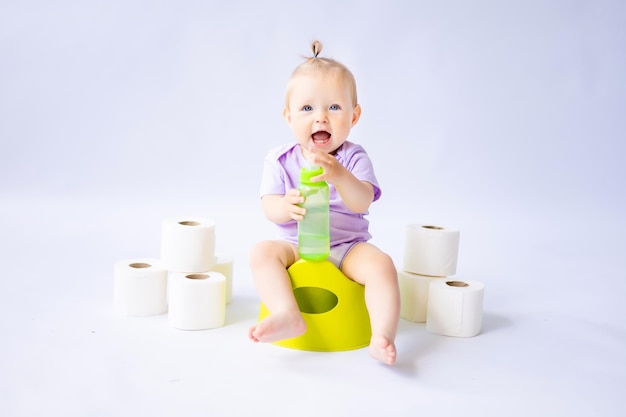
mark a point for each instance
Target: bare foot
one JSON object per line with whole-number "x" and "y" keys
{"x": 276, "y": 327}
{"x": 383, "y": 350}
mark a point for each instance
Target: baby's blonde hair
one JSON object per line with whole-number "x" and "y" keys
{"x": 322, "y": 65}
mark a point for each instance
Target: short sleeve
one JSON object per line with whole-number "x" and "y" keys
{"x": 272, "y": 177}
{"x": 358, "y": 162}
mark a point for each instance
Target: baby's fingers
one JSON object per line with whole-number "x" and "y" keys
{"x": 297, "y": 213}
{"x": 294, "y": 197}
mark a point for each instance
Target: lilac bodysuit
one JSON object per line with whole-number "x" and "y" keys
{"x": 281, "y": 172}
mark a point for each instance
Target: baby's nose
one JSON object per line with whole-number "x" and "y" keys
{"x": 321, "y": 117}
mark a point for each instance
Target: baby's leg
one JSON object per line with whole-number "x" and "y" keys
{"x": 368, "y": 265}
{"x": 269, "y": 261}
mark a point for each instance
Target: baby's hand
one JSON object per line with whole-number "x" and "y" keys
{"x": 291, "y": 201}
{"x": 332, "y": 168}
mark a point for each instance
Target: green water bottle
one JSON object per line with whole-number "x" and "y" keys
{"x": 314, "y": 229}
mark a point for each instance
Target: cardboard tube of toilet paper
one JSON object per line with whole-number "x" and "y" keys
{"x": 431, "y": 250}
{"x": 188, "y": 244}
{"x": 414, "y": 295}
{"x": 455, "y": 308}
{"x": 224, "y": 265}
{"x": 139, "y": 287}
{"x": 197, "y": 301}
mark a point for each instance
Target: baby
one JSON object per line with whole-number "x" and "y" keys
{"x": 321, "y": 108}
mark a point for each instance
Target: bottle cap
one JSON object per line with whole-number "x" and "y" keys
{"x": 307, "y": 173}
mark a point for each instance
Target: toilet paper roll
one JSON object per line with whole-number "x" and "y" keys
{"x": 224, "y": 265}
{"x": 431, "y": 250}
{"x": 139, "y": 287}
{"x": 414, "y": 295}
{"x": 197, "y": 300}
{"x": 455, "y": 308}
{"x": 188, "y": 244}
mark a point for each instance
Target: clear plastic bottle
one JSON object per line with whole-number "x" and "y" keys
{"x": 314, "y": 229}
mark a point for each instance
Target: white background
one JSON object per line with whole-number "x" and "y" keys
{"x": 502, "y": 119}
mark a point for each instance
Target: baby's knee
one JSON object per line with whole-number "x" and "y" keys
{"x": 260, "y": 252}
{"x": 271, "y": 251}
{"x": 383, "y": 269}
{"x": 383, "y": 263}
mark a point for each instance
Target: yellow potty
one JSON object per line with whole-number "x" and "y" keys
{"x": 333, "y": 307}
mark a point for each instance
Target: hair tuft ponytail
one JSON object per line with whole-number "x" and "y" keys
{"x": 316, "y": 47}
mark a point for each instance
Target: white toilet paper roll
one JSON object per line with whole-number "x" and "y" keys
{"x": 139, "y": 287}
{"x": 414, "y": 295}
{"x": 197, "y": 301}
{"x": 224, "y": 265}
{"x": 188, "y": 244}
{"x": 431, "y": 250}
{"x": 455, "y": 308}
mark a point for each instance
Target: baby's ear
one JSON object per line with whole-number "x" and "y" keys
{"x": 287, "y": 114}
{"x": 356, "y": 114}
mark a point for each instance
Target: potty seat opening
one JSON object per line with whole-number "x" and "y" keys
{"x": 315, "y": 300}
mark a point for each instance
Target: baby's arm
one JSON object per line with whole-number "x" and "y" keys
{"x": 280, "y": 209}
{"x": 357, "y": 195}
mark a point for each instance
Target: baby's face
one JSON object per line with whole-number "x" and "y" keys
{"x": 320, "y": 111}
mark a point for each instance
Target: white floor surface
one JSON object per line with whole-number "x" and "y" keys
{"x": 552, "y": 343}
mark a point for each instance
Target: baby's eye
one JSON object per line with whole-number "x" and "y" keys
{"x": 307, "y": 108}
{"x": 335, "y": 107}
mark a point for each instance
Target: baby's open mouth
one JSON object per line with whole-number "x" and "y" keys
{"x": 321, "y": 137}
